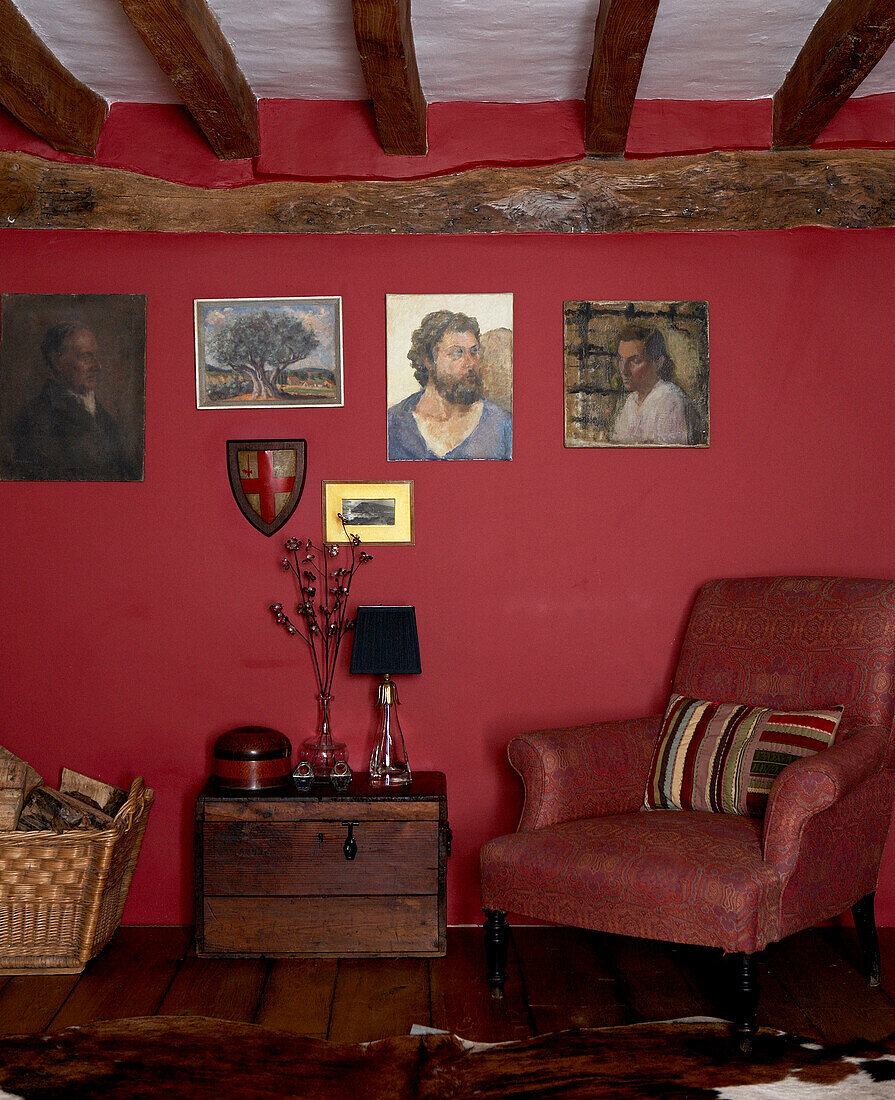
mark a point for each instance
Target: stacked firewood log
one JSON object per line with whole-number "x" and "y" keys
{"x": 28, "y": 804}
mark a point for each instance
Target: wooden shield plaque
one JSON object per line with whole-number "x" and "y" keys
{"x": 267, "y": 477}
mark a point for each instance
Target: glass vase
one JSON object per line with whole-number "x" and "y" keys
{"x": 320, "y": 750}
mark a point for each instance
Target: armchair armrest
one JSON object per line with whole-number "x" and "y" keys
{"x": 584, "y": 771}
{"x": 811, "y": 785}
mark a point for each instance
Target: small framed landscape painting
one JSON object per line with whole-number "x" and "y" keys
{"x": 265, "y": 353}
{"x": 636, "y": 374}
{"x": 375, "y": 511}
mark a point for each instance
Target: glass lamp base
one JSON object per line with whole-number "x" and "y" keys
{"x": 389, "y": 765}
{"x": 389, "y": 777}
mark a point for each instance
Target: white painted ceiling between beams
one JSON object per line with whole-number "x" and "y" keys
{"x": 480, "y": 50}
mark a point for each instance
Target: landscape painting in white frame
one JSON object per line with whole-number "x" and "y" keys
{"x": 265, "y": 353}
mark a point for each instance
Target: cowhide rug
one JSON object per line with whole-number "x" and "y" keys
{"x": 194, "y": 1058}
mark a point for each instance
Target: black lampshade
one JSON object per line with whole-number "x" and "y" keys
{"x": 385, "y": 641}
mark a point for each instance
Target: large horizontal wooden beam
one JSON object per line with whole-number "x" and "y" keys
{"x": 845, "y": 44}
{"x": 187, "y": 42}
{"x": 744, "y": 190}
{"x": 41, "y": 93}
{"x": 621, "y": 36}
{"x": 385, "y": 45}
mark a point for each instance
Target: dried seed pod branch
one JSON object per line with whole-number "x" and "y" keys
{"x": 322, "y": 610}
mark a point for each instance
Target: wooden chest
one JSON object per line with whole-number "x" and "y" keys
{"x": 277, "y": 874}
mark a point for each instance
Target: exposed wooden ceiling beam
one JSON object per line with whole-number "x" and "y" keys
{"x": 621, "y": 37}
{"x": 385, "y": 44}
{"x": 852, "y": 188}
{"x": 41, "y": 93}
{"x": 846, "y": 43}
{"x": 187, "y": 42}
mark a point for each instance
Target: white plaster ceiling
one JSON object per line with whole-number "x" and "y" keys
{"x": 482, "y": 50}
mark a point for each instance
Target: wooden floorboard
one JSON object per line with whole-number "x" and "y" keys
{"x": 829, "y": 989}
{"x": 227, "y": 989}
{"x": 568, "y": 982}
{"x": 375, "y": 998}
{"x": 651, "y": 981}
{"x": 461, "y": 999}
{"x": 777, "y": 1009}
{"x": 709, "y": 973}
{"x": 887, "y": 955}
{"x": 558, "y": 978}
{"x": 298, "y": 996}
{"x": 28, "y": 1005}
{"x": 130, "y": 978}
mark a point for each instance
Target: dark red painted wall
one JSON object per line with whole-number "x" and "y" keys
{"x": 549, "y": 590}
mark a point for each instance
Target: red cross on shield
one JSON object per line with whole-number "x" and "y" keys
{"x": 267, "y": 477}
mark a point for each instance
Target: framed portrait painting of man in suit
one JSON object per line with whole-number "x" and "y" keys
{"x": 72, "y": 387}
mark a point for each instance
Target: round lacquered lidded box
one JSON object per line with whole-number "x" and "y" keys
{"x": 252, "y": 758}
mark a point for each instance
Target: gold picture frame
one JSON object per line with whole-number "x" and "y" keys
{"x": 376, "y": 511}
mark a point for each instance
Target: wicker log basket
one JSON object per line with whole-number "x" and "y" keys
{"x": 62, "y": 894}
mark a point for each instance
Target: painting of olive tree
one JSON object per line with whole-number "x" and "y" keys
{"x": 268, "y": 352}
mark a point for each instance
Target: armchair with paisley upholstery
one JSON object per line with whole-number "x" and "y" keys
{"x": 586, "y": 853}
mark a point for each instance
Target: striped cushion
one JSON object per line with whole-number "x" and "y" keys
{"x": 723, "y": 757}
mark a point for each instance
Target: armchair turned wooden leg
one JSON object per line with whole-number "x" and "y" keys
{"x": 745, "y": 1000}
{"x": 865, "y": 926}
{"x": 497, "y": 938}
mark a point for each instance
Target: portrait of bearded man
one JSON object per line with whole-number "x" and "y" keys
{"x": 449, "y": 416}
